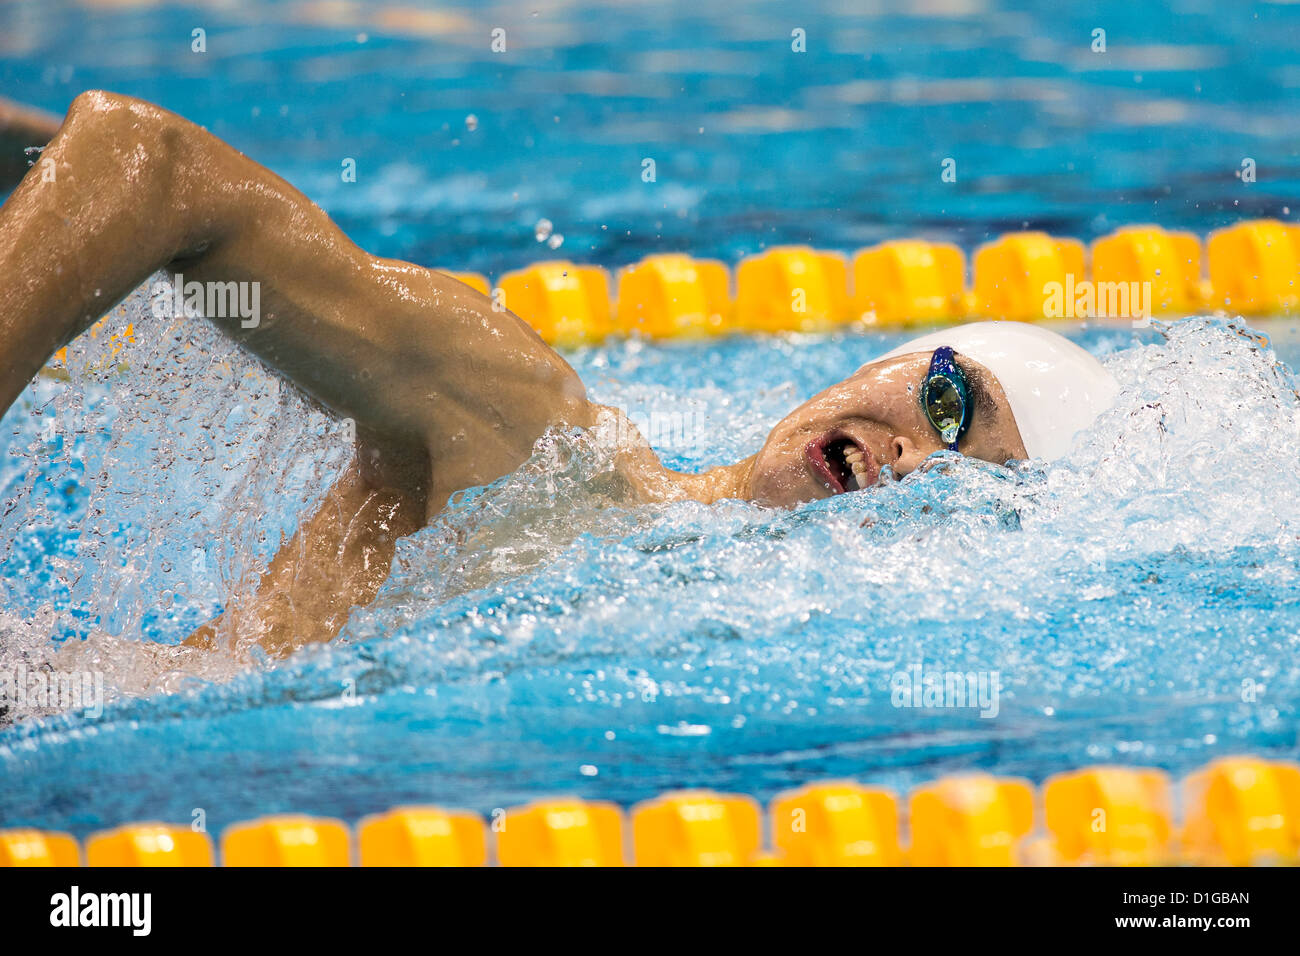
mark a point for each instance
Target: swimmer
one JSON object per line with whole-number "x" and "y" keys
{"x": 446, "y": 392}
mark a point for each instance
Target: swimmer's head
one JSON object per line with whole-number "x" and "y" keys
{"x": 1028, "y": 391}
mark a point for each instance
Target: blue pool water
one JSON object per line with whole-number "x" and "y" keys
{"x": 1139, "y": 601}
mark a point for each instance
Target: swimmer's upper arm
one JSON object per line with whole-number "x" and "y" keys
{"x": 408, "y": 352}
{"x": 399, "y": 348}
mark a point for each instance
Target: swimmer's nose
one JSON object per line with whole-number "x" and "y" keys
{"x": 906, "y": 456}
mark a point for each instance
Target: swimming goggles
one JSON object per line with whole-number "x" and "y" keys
{"x": 945, "y": 396}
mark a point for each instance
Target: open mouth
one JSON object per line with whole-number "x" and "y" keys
{"x": 841, "y": 463}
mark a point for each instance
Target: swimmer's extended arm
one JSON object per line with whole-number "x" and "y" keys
{"x": 448, "y": 392}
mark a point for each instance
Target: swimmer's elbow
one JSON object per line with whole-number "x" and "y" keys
{"x": 120, "y": 137}
{"x": 145, "y": 135}
{"x": 102, "y": 110}
{"x": 106, "y": 106}
{"x": 96, "y": 101}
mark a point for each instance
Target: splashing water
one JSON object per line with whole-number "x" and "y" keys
{"x": 148, "y": 492}
{"x": 1135, "y": 602}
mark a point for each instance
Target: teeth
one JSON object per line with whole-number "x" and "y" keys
{"x": 857, "y": 463}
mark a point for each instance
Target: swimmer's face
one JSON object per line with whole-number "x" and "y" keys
{"x": 840, "y": 440}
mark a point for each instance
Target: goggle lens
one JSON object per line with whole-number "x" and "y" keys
{"x": 944, "y": 396}
{"x": 944, "y": 407}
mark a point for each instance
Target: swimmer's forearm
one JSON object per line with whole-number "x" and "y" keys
{"x": 21, "y": 128}
{"x": 337, "y": 560}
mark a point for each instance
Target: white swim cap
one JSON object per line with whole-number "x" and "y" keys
{"x": 1055, "y": 388}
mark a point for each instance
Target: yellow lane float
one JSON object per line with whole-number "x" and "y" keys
{"x": 1237, "y": 810}
{"x": 37, "y": 848}
{"x": 149, "y": 844}
{"x": 289, "y": 840}
{"x": 1255, "y": 267}
{"x": 908, "y": 282}
{"x": 696, "y": 828}
{"x": 1242, "y": 811}
{"x": 422, "y": 836}
{"x": 673, "y": 296}
{"x": 970, "y": 820}
{"x": 561, "y": 833}
{"x": 1012, "y": 273}
{"x": 791, "y": 289}
{"x": 1111, "y": 816}
{"x": 836, "y": 824}
{"x": 567, "y": 304}
{"x": 1170, "y": 261}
